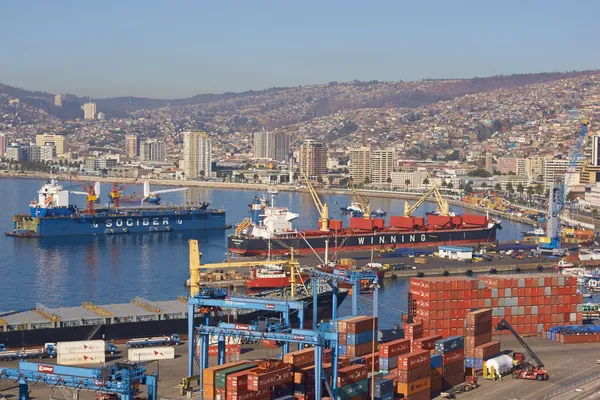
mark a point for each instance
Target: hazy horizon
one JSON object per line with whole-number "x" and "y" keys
{"x": 178, "y": 50}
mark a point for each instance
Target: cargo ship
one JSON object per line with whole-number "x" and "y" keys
{"x": 270, "y": 231}
{"x": 139, "y": 318}
{"x": 54, "y": 215}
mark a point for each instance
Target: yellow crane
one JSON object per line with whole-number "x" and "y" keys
{"x": 321, "y": 207}
{"x": 365, "y": 205}
{"x": 442, "y": 203}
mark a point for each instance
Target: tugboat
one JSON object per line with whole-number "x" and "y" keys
{"x": 270, "y": 277}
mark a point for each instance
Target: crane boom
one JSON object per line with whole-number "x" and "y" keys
{"x": 505, "y": 325}
{"x": 321, "y": 207}
{"x": 442, "y": 203}
{"x": 408, "y": 209}
{"x": 574, "y": 158}
{"x": 365, "y": 205}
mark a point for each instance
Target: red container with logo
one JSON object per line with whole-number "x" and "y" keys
{"x": 414, "y": 374}
{"x": 414, "y": 330}
{"x": 259, "y": 379}
{"x": 425, "y": 343}
{"x": 249, "y": 395}
{"x": 394, "y": 348}
{"x": 453, "y": 356}
{"x": 361, "y": 324}
{"x": 414, "y": 359}
{"x": 238, "y": 381}
{"x": 352, "y": 374}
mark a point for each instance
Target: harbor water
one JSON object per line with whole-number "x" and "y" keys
{"x": 65, "y": 271}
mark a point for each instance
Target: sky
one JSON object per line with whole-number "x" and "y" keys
{"x": 176, "y": 49}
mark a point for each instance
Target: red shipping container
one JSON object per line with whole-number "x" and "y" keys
{"x": 300, "y": 358}
{"x": 419, "y": 221}
{"x": 361, "y": 324}
{"x": 352, "y": 374}
{"x": 220, "y": 393}
{"x": 335, "y": 224}
{"x": 413, "y": 331}
{"x": 414, "y": 374}
{"x": 259, "y": 379}
{"x": 230, "y": 349}
{"x": 487, "y": 350}
{"x": 426, "y": 343}
{"x": 478, "y": 340}
{"x": 249, "y": 395}
{"x": 343, "y": 324}
{"x": 238, "y": 381}
{"x": 369, "y": 361}
{"x": 454, "y": 368}
{"x": 401, "y": 222}
{"x": 479, "y": 316}
{"x": 414, "y": 359}
{"x": 438, "y": 220}
{"x": 394, "y": 348}
{"x": 449, "y": 381}
{"x": 457, "y": 221}
{"x": 360, "y": 349}
{"x": 453, "y": 356}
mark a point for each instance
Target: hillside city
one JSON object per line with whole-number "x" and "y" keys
{"x": 516, "y": 139}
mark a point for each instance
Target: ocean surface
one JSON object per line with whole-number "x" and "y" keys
{"x": 65, "y": 271}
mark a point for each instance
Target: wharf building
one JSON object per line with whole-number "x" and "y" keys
{"x": 197, "y": 154}
{"x": 313, "y": 158}
{"x": 58, "y": 141}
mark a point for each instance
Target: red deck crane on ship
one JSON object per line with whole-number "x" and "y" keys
{"x": 91, "y": 195}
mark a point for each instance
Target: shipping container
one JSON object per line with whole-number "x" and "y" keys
{"x": 352, "y": 374}
{"x": 425, "y": 343}
{"x": 360, "y": 324}
{"x": 401, "y": 222}
{"x": 208, "y": 374}
{"x": 238, "y": 381}
{"x": 453, "y": 356}
{"x": 414, "y": 374}
{"x": 259, "y": 378}
{"x": 360, "y": 349}
{"x": 410, "y": 388}
{"x": 435, "y": 361}
{"x": 379, "y": 223}
{"x": 249, "y": 395}
{"x": 470, "y": 219}
{"x": 388, "y": 363}
{"x": 454, "y": 368}
{"x": 414, "y": 359}
{"x": 449, "y": 381}
{"x": 354, "y": 390}
{"x": 335, "y": 224}
{"x": 230, "y": 349}
{"x": 394, "y": 348}
{"x": 81, "y": 358}
{"x": 383, "y": 387}
{"x": 488, "y": 350}
{"x": 450, "y": 344}
{"x": 300, "y": 358}
{"x": 151, "y": 353}
{"x": 361, "y": 224}
{"x": 359, "y": 338}
{"x": 221, "y": 376}
{"x": 84, "y": 346}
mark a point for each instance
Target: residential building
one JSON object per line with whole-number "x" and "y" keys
{"x": 514, "y": 180}
{"x": 382, "y": 165}
{"x": 153, "y": 150}
{"x": 89, "y": 110}
{"x": 595, "y": 161}
{"x": 58, "y": 141}
{"x": 106, "y": 163}
{"x": 556, "y": 169}
{"x": 101, "y": 116}
{"x": 414, "y": 179}
{"x": 513, "y": 165}
{"x": 264, "y": 144}
{"x": 91, "y": 163}
{"x": 132, "y": 145}
{"x": 593, "y": 196}
{"x": 15, "y": 153}
{"x": 489, "y": 160}
{"x": 313, "y": 158}
{"x": 360, "y": 165}
{"x": 197, "y": 154}
{"x": 3, "y": 140}
{"x": 58, "y": 100}
{"x": 32, "y": 153}
{"x": 534, "y": 166}
{"x": 47, "y": 152}
{"x": 282, "y": 144}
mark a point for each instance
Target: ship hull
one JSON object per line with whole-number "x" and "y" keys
{"x": 128, "y": 330}
{"x": 122, "y": 222}
{"x": 356, "y": 242}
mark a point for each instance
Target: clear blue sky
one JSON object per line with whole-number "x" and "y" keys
{"x": 172, "y": 49}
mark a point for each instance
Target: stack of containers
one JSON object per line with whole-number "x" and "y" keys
{"x": 221, "y": 378}
{"x": 426, "y": 343}
{"x": 452, "y": 350}
{"x": 302, "y": 363}
{"x": 209, "y": 378}
{"x": 413, "y": 331}
{"x": 478, "y": 339}
{"x": 414, "y": 378}
{"x": 356, "y": 336}
{"x": 260, "y": 379}
{"x": 384, "y": 389}
{"x": 353, "y": 382}
{"x": 389, "y": 352}
{"x": 574, "y": 334}
{"x": 530, "y": 303}
{"x": 436, "y": 372}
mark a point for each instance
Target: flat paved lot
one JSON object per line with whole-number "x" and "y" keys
{"x": 565, "y": 363}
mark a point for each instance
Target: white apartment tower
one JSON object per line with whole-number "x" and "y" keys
{"x": 89, "y": 110}
{"x": 197, "y": 156}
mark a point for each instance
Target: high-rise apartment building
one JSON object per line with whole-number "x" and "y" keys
{"x": 360, "y": 165}
{"x": 47, "y": 152}
{"x": 313, "y": 158}
{"x": 197, "y": 154}
{"x": 489, "y": 161}
{"x": 58, "y": 141}
{"x": 58, "y": 100}
{"x": 282, "y": 147}
{"x": 595, "y": 161}
{"x": 3, "y": 140}
{"x": 556, "y": 169}
{"x": 89, "y": 110}
{"x": 382, "y": 165}
{"x": 153, "y": 150}
{"x": 263, "y": 144}
{"x": 534, "y": 166}
{"x": 132, "y": 145}
{"x": 15, "y": 153}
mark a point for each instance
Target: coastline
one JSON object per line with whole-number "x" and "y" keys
{"x": 260, "y": 186}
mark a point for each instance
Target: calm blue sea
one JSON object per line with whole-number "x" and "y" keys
{"x": 66, "y": 271}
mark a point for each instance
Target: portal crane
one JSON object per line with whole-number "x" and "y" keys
{"x": 365, "y": 205}
{"x": 321, "y": 207}
{"x": 116, "y": 191}
{"x": 523, "y": 369}
{"x": 442, "y": 203}
{"x": 91, "y": 195}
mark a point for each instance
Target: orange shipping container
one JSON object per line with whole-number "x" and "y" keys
{"x": 410, "y": 388}
{"x": 300, "y": 358}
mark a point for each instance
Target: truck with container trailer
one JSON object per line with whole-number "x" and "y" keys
{"x": 48, "y": 351}
{"x": 154, "y": 341}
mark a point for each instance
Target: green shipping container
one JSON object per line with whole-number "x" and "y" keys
{"x": 221, "y": 376}
{"x": 355, "y": 389}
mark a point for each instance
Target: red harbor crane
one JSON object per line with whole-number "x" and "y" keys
{"x": 91, "y": 195}
{"x": 116, "y": 191}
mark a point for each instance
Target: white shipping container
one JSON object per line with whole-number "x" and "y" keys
{"x": 151, "y": 353}
{"x": 81, "y": 358}
{"x": 84, "y": 346}
{"x": 214, "y": 339}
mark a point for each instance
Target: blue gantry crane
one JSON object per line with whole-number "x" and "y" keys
{"x": 120, "y": 379}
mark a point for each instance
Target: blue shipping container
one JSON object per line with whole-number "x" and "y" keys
{"x": 342, "y": 349}
{"x": 383, "y": 386}
{"x": 353, "y": 390}
{"x": 450, "y": 344}
{"x": 476, "y": 363}
{"x": 359, "y": 338}
{"x": 387, "y": 396}
{"x": 388, "y": 363}
{"x": 436, "y": 361}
